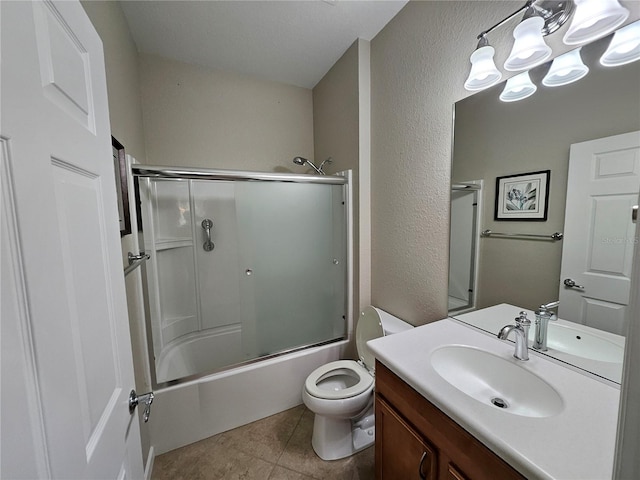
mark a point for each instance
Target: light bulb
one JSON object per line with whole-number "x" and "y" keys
{"x": 518, "y": 88}
{"x": 594, "y": 19}
{"x": 529, "y": 48}
{"x": 484, "y": 73}
{"x": 565, "y": 69}
{"x": 624, "y": 46}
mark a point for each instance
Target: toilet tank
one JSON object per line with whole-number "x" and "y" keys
{"x": 391, "y": 324}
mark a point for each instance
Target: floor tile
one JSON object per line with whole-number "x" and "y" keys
{"x": 300, "y": 457}
{"x": 281, "y": 473}
{"x": 228, "y": 463}
{"x": 364, "y": 465}
{"x": 274, "y": 448}
{"x": 266, "y": 438}
{"x": 178, "y": 464}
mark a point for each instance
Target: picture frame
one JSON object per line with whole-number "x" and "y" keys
{"x": 523, "y": 197}
{"x": 122, "y": 187}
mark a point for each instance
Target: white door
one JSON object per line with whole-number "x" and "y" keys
{"x": 603, "y": 184}
{"x": 66, "y": 354}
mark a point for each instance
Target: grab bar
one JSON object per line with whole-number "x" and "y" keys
{"x": 207, "y": 225}
{"x": 554, "y": 236}
{"x": 135, "y": 261}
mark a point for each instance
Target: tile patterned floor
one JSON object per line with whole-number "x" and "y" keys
{"x": 274, "y": 448}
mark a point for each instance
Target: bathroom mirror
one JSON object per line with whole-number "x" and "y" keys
{"x": 495, "y": 139}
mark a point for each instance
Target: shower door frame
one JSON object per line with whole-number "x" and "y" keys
{"x": 188, "y": 173}
{"x": 474, "y": 187}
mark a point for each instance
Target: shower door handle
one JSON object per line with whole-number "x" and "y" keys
{"x": 207, "y": 225}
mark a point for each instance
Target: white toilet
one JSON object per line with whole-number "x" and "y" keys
{"x": 341, "y": 393}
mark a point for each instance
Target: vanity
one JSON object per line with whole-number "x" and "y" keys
{"x": 413, "y": 435}
{"x": 453, "y": 403}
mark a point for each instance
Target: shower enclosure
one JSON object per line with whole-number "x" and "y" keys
{"x": 243, "y": 266}
{"x": 463, "y": 244}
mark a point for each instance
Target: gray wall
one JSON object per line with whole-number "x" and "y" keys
{"x": 336, "y": 134}
{"x": 199, "y": 117}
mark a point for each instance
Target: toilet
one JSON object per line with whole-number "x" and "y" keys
{"x": 340, "y": 393}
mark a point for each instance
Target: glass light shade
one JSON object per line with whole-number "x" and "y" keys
{"x": 518, "y": 88}
{"x": 624, "y": 47}
{"x": 484, "y": 72}
{"x": 565, "y": 69}
{"x": 529, "y": 48}
{"x": 594, "y": 19}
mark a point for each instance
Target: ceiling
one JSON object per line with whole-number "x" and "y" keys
{"x": 294, "y": 42}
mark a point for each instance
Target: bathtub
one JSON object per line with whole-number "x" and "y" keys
{"x": 191, "y": 354}
{"x": 189, "y": 412}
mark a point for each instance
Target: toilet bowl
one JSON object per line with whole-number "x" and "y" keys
{"x": 340, "y": 393}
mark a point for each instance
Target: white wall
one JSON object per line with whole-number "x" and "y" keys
{"x": 199, "y": 117}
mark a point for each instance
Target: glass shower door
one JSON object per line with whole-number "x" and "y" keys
{"x": 293, "y": 264}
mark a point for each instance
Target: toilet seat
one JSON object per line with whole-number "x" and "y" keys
{"x": 369, "y": 327}
{"x": 331, "y": 369}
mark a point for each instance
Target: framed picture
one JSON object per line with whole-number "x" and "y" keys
{"x": 120, "y": 168}
{"x": 523, "y": 197}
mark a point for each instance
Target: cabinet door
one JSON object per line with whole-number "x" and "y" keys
{"x": 454, "y": 474}
{"x": 401, "y": 453}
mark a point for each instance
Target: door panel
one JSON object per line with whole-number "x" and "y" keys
{"x": 76, "y": 336}
{"x": 604, "y": 179}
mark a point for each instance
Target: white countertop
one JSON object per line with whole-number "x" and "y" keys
{"x": 577, "y": 443}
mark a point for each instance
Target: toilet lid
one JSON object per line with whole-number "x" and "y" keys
{"x": 369, "y": 327}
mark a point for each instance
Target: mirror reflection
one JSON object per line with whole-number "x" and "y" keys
{"x": 586, "y": 136}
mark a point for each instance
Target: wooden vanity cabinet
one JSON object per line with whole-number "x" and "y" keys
{"x": 416, "y": 440}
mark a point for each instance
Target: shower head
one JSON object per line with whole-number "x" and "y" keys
{"x": 302, "y": 161}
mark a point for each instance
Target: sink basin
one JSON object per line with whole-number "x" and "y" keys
{"x": 496, "y": 381}
{"x": 582, "y": 344}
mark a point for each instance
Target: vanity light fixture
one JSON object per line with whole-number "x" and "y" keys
{"x": 529, "y": 48}
{"x": 541, "y": 17}
{"x": 484, "y": 72}
{"x": 594, "y": 19}
{"x": 565, "y": 69}
{"x": 518, "y": 88}
{"x": 624, "y": 46}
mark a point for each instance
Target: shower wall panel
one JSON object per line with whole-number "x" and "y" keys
{"x": 218, "y": 269}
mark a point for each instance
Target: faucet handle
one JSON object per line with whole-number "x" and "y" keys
{"x": 522, "y": 319}
{"x": 550, "y": 305}
{"x": 545, "y": 311}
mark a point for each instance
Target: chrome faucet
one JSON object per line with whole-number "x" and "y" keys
{"x": 521, "y": 329}
{"x": 543, "y": 315}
